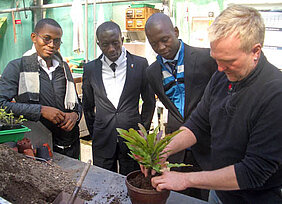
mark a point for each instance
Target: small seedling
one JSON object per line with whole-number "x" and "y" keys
{"x": 9, "y": 118}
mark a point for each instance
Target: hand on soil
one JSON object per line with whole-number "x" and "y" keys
{"x": 170, "y": 180}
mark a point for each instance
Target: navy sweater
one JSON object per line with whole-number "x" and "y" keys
{"x": 245, "y": 124}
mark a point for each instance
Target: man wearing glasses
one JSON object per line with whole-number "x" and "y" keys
{"x": 43, "y": 87}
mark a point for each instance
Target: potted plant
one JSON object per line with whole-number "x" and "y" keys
{"x": 147, "y": 150}
{"x": 11, "y": 128}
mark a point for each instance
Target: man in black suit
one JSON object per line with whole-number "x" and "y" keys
{"x": 178, "y": 77}
{"x": 112, "y": 85}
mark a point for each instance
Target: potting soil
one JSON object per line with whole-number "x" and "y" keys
{"x": 24, "y": 180}
{"x": 140, "y": 181}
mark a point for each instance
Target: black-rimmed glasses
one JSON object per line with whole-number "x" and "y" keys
{"x": 47, "y": 40}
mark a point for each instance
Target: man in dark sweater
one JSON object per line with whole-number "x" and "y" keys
{"x": 43, "y": 88}
{"x": 241, "y": 110}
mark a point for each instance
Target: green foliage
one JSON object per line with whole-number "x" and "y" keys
{"x": 148, "y": 149}
{"x": 9, "y": 118}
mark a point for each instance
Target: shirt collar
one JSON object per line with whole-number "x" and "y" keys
{"x": 43, "y": 63}
{"x": 119, "y": 61}
{"x": 176, "y": 56}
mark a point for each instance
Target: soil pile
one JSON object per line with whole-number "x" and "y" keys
{"x": 24, "y": 180}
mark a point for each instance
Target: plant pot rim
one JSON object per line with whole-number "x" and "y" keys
{"x": 140, "y": 190}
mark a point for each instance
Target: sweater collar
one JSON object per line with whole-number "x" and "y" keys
{"x": 235, "y": 86}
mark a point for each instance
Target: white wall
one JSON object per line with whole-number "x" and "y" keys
{"x": 258, "y": 4}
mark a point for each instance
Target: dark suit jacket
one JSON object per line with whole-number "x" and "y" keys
{"x": 102, "y": 122}
{"x": 198, "y": 69}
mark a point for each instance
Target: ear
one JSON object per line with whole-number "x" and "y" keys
{"x": 256, "y": 50}
{"x": 33, "y": 37}
{"x": 176, "y": 31}
{"x": 122, "y": 39}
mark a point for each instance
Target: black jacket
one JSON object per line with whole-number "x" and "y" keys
{"x": 102, "y": 122}
{"x": 198, "y": 69}
{"x": 51, "y": 93}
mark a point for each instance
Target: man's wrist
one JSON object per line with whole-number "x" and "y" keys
{"x": 78, "y": 115}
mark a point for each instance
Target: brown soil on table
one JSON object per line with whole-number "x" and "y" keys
{"x": 24, "y": 180}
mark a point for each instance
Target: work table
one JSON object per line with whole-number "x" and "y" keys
{"x": 109, "y": 187}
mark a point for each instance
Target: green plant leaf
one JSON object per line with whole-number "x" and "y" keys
{"x": 125, "y": 135}
{"x": 156, "y": 130}
{"x": 137, "y": 136}
{"x": 159, "y": 135}
{"x": 143, "y": 130}
{"x": 151, "y": 142}
{"x": 165, "y": 140}
{"x": 9, "y": 118}
{"x": 169, "y": 165}
{"x": 121, "y": 131}
{"x": 132, "y": 136}
{"x": 137, "y": 151}
{"x": 157, "y": 168}
{"x": 147, "y": 149}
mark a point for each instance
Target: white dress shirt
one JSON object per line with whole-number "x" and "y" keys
{"x": 114, "y": 82}
{"x": 44, "y": 66}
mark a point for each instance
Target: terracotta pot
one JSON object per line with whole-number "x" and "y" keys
{"x": 28, "y": 152}
{"x": 144, "y": 196}
{"x": 23, "y": 144}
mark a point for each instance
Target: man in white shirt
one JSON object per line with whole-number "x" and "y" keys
{"x": 112, "y": 85}
{"x": 44, "y": 90}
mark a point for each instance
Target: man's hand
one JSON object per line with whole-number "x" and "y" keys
{"x": 220, "y": 179}
{"x": 69, "y": 121}
{"x": 52, "y": 114}
{"x": 170, "y": 180}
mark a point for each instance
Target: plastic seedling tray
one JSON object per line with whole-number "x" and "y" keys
{"x": 13, "y": 135}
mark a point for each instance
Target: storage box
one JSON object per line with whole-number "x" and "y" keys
{"x": 77, "y": 61}
{"x": 140, "y": 12}
{"x": 129, "y": 13}
{"x": 77, "y": 70}
{"x": 136, "y": 17}
{"x": 13, "y": 135}
{"x": 142, "y": 5}
{"x": 130, "y": 24}
{"x": 140, "y": 23}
